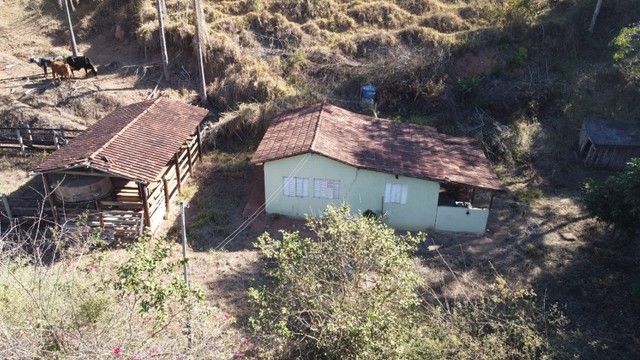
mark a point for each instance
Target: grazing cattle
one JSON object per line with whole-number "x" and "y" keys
{"x": 81, "y": 62}
{"x": 42, "y": 62}
{"x": 60, "y": 69}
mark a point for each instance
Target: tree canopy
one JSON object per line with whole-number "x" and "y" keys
{"x": 627, "y": 51}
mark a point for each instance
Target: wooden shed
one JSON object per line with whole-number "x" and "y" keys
{"x": 125, "y": 170}
{"x": 607, "y": 144}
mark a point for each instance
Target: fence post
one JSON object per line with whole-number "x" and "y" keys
{"x": 100, "y": 216}
{"x": 189, "y": 159}
{"x": 29, "y": 135}
{"x": 177, "y": 158}
{"x": 55, "y": 139}
{"x": 5, "y": 200}
{"x": 22, "y": 152}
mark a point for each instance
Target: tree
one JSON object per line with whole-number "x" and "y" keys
{"x": 72, "y": 36}
{"x": 162, "y": 10}
{"x": 616, "y": 201}
{"x": 201, "y": 39}
{"x": 596, "y": 11}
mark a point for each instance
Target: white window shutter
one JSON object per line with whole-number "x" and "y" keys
{"x": 288, "y": 186}
{"x": 403, "y": 199}
{"x": 387, "y": 193}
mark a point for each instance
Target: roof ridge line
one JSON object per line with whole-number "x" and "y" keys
{"x": 116, "y": 135}
{"x": 315, "y": 131}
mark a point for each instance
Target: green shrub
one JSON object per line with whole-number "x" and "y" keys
{"x": 627, "y": 51}
{"x": 528, "y": 195}
{"x": 519, "y": 57}
{"x": 350, "y": 294}
{"x": 532, "y": 250}
{"x": 470, "y": 84}
{"x": 617, "y": 200}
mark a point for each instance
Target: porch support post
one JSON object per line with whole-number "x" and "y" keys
{"x": 491, "y": 202}
{"x": 167, "y": 201}
{"x": 47, "y": 192}
{"x": 177, "y": 159}
{"x": 199, "y": 141}
{"x": 142, "y": 190}
{"x": 473, "y": 195}
{"x": 100, "y": 215}
{"x": 189, "y": 159}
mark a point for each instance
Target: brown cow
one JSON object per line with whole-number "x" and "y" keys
{"x": 61, "y": 69}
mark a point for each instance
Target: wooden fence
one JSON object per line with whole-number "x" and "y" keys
{"x": 119, "y": 218}
{"x": 27, "y": 138}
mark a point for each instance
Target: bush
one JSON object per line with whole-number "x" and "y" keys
{"x": 349, "y": 294}
{"x": 627, "y": 51}
{"x": 616, "y": 201}
{"x": 353, "y": 293}
{"x": 86, "y": 306}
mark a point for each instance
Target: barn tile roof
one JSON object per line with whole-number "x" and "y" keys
{"x": 134, "y": 142}
{"x": 377, "y": 144}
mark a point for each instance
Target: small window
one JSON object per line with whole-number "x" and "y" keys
{"x": 326, "y": 189}
{"x": 295, "y": 186}
{"x": 395, "y": 193}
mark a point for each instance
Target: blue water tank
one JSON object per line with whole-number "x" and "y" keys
{"x": 368, "y": 92}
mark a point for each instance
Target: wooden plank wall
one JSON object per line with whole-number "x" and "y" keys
{"x": 122, "y": 219}
{"x": 163, "y": 192}
{"x": 613, "y": 157}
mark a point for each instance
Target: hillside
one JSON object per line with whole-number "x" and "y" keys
{"x": 519, "y": 75}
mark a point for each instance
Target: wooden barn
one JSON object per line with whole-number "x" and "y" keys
{"x": 125, "y": 170}
{"x": 605, "y": 144}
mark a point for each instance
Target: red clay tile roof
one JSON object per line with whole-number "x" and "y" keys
{"x": 133, "y": 142}
{"x": 376, "y": 144}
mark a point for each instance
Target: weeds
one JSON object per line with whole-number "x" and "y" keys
{"x": 528, "y": 195}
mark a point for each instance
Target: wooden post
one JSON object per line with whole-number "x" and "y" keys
{"x": 199, "y": 141}
{"x": 29, "y": 136}
{"x": 473, "y": 195}
{"x": 55, "y": 139}
{"x": 5, "y": 200}
{"x": 141, "y": 229}
{"x": 100, "y": 216}
{"x": 491, "y": 202}
{"x": 167, "y": 202}
{"x": 47, "y": 192}
{"x": 142, "y": 189}
{"x": 189, "y": 159}
{"x": 22, "y": 152}
{"x": 62, "y": 132}
{"x": 177, "y": 158}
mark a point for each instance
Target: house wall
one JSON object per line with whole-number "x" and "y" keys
{"x": 362, "y": 189}
{"x": 453, "y": 218}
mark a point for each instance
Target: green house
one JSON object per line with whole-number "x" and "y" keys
{"x": 415, "y": 177}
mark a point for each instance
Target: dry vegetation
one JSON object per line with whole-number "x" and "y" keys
{"x": 519, "y": 75}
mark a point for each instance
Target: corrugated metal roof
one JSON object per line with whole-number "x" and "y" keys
{"x": 133, "y": 142}
{"x": 377, "y": 144}
{"x": 606, "y": 132}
